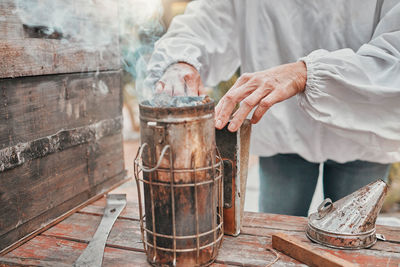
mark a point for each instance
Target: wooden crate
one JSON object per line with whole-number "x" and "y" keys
{"x": 60, "y": 119}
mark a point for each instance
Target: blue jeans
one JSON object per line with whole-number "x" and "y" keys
{"x": 287, "y": 181}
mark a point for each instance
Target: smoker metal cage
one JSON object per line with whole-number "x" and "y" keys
{"x": 183, "y": 250}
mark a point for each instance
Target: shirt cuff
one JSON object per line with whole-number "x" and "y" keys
{"x": 312, "y": 79}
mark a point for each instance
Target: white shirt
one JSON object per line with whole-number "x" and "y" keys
{"x": 350, "y": 109}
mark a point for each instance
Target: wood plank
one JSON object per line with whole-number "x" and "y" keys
{"x": 14, "y": 236}
{"x": 44, "y": 249}
{"x": 274, "y": 221}
{"x": 131, "y": 211}
{"x": 269, "y": 228}
{"x": 86, "y": 37}
{"x": 14, "y": 156}
{"x": 380, "y": 254}
{"x": 243, "y": 250}
{"x": 259, "y": 224}
{"x": 379, "y": 246}
{"x": 55, "y": 184}
{"x": 37, "y": 107}
{"x": 125, "y": 234}
{"x": 6, "y": 262}
{"x": 247, "y": 249}
{"x": 50, "y": 251}
{"x": 264, "y": 224}
{"x": 47, "y": 182}
{"x": 55, "y": 221}
{"x": 305, "y": 253}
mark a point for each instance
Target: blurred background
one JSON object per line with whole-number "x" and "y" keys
{"x": 155, "y": 22}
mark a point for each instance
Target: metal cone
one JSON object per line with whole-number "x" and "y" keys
{"x": 349, "y": 223}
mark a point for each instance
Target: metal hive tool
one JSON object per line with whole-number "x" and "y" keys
{"x": 349, "y": 223}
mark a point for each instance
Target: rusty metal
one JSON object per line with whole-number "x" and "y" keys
{"x": 234, "y": 149}
{"x": 349, "y": 223}
{"x": 93, "y": 254}
{"x": 180, "y": 186}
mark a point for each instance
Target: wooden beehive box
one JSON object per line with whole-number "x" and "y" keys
{"x": 60, "y": 118}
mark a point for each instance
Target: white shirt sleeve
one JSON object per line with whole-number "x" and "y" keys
{"x": 357, "y": 94}
{"x": 205, "y": 37}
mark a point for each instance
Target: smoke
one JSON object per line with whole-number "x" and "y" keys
{"x": 166, "y": 100}
{"x": 95, "y": 25}
{"x": 84, "y": 22}
{"x": 140, "y": 28}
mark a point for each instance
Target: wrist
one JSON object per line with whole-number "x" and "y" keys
{"x": 300, "y": 75}
{"x": 187, "y": 66}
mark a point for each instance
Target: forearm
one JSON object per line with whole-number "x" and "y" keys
{"x": 200, "y": 37}
{"x": 358, "y": 93}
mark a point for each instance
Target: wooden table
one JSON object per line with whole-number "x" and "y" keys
{"x": 64, "y": 242}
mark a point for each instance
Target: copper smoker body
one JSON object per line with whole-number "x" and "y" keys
{"x": 182, "y": 195}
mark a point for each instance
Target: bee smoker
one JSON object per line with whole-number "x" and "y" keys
{"x": 348, "y": 223}
{"x": 234, "y": 149}
{"x": 180, "y": 185}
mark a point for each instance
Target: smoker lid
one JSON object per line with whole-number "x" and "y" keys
{"x": 349, "y": 222}
{"x": 168, "y": 101}
{"x": 173, "y": 114}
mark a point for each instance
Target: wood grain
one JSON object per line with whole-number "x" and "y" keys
{"x": 267, "y": 224}
{"x": 45, "y": 188}
{"x": 60, "y": 218}
{"x": 36, "y": 107}
{"x": 88, "y": 41}
{"x": 262, "y": 224}
{"x": 14, "y": 156}
{"x": 248, "y": 249}
{"x": 243, "y": 250}
{"x": 305, "y": 253}
{"x": 45, "y": 249}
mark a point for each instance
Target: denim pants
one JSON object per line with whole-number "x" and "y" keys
{"x": 287, "y": 181}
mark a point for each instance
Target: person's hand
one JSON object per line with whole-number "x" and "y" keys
{"x": 262, "y": 90}
{"x": 180, "y": 79}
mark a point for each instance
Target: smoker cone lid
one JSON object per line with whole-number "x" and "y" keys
{"x": 349, "y": 223}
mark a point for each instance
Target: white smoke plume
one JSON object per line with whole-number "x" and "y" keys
{"x": 141, "y": 27}
{"x": 93, "y": 23}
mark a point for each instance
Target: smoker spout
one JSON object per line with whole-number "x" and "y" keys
{"x": 349, "y": 223}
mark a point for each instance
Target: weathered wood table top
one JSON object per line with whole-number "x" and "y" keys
{"x": 63, "y": 243}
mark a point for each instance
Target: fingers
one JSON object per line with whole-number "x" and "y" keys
{"x": 241, "y": 89}
{"x": 168, "y": 89}
{"x": 244, "y": 78}
{"x": 218, "y": 108}
{"x": 226, "y": 106}
{"x": 173, "y": 87}
{"x": 179, "y": 87}
{"x": 192, "y": 85}
{"x": 262, "y": 89}
{"x": 245, "y": 108}
{"x": 239, "y": 116}
{"x": 180, "y": 79}
{"x": 265, "y": 104}
{"x": 159, "y": 87}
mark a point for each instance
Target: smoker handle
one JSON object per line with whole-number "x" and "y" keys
{"x": 324, "y": 208}
{"x": 139, "y": 156}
